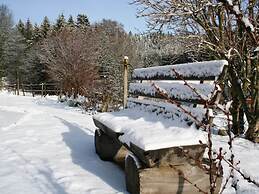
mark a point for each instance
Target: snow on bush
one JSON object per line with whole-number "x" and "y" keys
{"x": 73, "y": 102}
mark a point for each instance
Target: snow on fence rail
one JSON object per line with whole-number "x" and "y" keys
{"x": 177, "y": 91}
{"x": 167, "y": 110}
{"x": 207, "y": 70}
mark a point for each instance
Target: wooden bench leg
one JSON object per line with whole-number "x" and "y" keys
{"x": 106, "y": 147}
{"x": 131, "y": 175}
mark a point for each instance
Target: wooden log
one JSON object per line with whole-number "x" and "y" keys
{"x": 165, "y": 180}
{"x": 169, "y": 156}
{"x": 106, "y": 147}
{"x": 110, "y": 148}
{"x": 131, "y": 176}
{"x": 121, "y": 155}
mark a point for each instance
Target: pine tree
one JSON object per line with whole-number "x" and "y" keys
{"x": 45, "y": 27}
{"x": 82, "y": 21}
{"x": 14, "y": 57}
{"x": 6, "y": 23}
{"x": 36, "y": 35}
{"x": 28, "y": 31}
{"x": 70, "y": 21}
{"x": 21, "y": 27}
{"x": 60, "y": 23}
{"x": 37, "y": 69}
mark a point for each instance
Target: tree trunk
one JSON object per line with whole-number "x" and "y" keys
{"x": 235, "y": 116}
{"x": 106, "y": 101}
{"x": 253, "y": 130}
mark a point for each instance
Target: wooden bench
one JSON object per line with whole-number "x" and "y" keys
{"x": 156, "y": 138}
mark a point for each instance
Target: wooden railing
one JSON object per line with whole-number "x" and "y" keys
{"x": 42, "y": 89}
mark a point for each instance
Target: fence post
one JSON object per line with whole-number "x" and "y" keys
{"x": 18, "y": 86}
{"x": 42, "y": 87}
{"x": 31, "y": 90}
{"x": 60, "y": 91}
{"x": 22, "y": 85}
{"x": 14, "y": 88}
{"x": 125, "y": 81}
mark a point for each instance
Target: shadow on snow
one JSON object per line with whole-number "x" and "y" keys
{"x": 83, "y": 154}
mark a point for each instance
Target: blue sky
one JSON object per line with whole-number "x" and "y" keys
{"x": 118, "y": 10}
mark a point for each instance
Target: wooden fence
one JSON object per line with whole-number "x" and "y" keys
{"x": 42, "y": 89}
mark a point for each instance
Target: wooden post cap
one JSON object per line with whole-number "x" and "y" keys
{"x": 126, "y": 60}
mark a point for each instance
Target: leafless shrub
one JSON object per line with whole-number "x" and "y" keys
{"x": 71, "y": 58}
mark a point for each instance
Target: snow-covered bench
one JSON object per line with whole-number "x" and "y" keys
{"x": 153, "y": 135}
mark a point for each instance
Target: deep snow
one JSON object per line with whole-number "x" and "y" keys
{"x": 46, "y": 147}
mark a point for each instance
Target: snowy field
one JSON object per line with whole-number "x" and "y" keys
{"x": 48, "y": 148}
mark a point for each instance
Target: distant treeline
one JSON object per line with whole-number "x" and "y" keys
{"x": 83, "y": 58}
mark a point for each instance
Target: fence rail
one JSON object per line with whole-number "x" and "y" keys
{"x": 42, "y": 89}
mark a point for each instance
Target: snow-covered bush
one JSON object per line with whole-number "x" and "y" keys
{"x": 72, "y": 101}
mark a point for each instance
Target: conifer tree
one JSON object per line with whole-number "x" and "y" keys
{"x": 14, "y": 57}
{"x": 82, "y": 21}
{"x": 45, "y": 27}
{"x": 70, "y": 21}
{"x": 60, "y": 23}
{"x": 28, "y": 31}
{"x": 6, "y": 23}
{"x": 21, "y": 27}
{"x": 36, "y": 35}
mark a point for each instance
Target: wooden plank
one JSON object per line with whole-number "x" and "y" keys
{"x": 175, "y": 91}
{"x": 207, "y": 70}
{"x": 168, "y": 110}
{"x": 106, "y": 129}
{"x": 169, "y": 156}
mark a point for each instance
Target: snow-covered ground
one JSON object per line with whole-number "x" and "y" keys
{"x": 47, "y": 147}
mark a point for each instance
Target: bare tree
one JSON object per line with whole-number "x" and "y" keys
{"x": 71, "y": 59}
{"x": 229, "y": 29}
